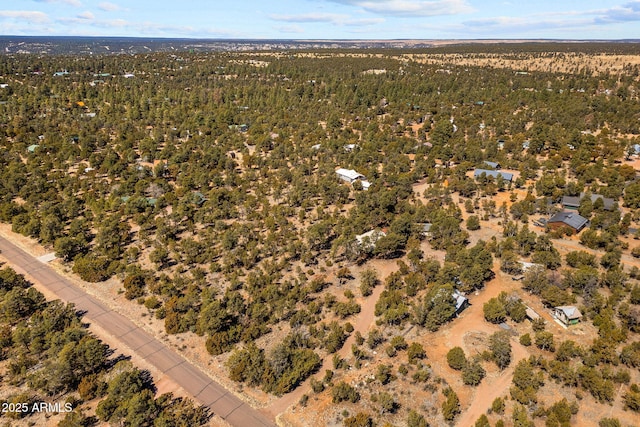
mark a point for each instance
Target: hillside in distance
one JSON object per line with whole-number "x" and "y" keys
{"x": 133, "y": 45}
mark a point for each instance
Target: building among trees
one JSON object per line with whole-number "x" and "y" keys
{"x": 462, "y": 302}
{"x": 351, "y": 176}
{"x": 492, "y": 165}
{"x": 569, "y": 219}
{"x": 567, "y": 314}
{"x": 368, "y": 240}
{"x": 494, "y": 174}
{"x": 573, "y": 202}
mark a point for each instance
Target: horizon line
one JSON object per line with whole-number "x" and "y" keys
{"x": 328, "y": 40}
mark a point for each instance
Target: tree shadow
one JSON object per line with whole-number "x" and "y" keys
{"x": 90, "y": 421}
{"x": 147, "y": 379}
{"x": 113, "y": 362}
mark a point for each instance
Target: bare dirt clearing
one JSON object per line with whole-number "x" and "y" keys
{"x": 463, "y": 332}
{"x": 556, "y": 62}
{"x": 551, "y": 62}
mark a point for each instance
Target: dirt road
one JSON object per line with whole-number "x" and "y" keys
{"x": 361, "y": 324}
{"x": 195, "y": 382}
{"x": 472, "y": 321}
{"x": 492, "y": 388}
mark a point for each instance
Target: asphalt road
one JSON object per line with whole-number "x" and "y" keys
{"x": 195, "y": 382}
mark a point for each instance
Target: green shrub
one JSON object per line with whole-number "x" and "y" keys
{"x": 473, "y": 373}
{"x": 494, "y": 311}
{"x": 344, "y": 392}
{"x": 91, "y": 268}
{"x": 456, "y": 358}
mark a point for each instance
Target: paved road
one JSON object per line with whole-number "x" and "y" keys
{"x": 195, "y": 382}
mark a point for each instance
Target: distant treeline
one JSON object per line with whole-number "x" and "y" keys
{"x": 116, "y": 45}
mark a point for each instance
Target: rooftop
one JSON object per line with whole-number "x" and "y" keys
{"x": 571, "y": 219}
{"x": 493, "y": 165}
{"x": 370, "y": 237}
{"x": 505, "y": 175}
{"x": 574, "y": 201}
{"x": 425, "y": 227}
{"x": 570, "y": 311}
{"x": 349, "y": 173}
{"x": 459, "y": 299}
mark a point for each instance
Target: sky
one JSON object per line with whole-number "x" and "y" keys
{"x": 325, "y": 19}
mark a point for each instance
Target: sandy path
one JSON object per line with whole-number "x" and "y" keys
{"x": 497, "y": 383}
{"x": 362, "y": 323}
{"x": 491, "y": 388}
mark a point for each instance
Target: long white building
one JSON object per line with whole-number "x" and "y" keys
{"x": 349, "y": 175}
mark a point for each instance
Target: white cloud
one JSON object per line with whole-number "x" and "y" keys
{"x": 151, "y": 28}
{"x": 290, "y": 29}
{"x": 114, "y": 23}
{"x": 567, "y": 21}
{"x": 309, "y": 17}
{"x": 26, "y": 29}
{"x": 76, "y": 3}
{"x": 86, "y": 15}
{"x": 330, "y": 18}
{"x": 410, "y": 8}
{"x": 515, "y": 26}
{"x": 628, "y": 12}
{"x": 109, "y": 7}
{"x": 32, "y": 17}
{"x": 364, "y": 22}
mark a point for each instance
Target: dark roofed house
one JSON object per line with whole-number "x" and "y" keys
{"x": 197, "y": 198}
{"x": 573, "y": 202}
{"x": 505, "y": 175}
{"x": 242, "y": 128}
{"x": 606, "y": 201}
{"x": 570, "y": 219}
{"x": 492, "y": 165}
{"x": 461, "y": 301}
{"x": 567, "y": 314}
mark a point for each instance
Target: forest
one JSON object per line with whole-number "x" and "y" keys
{"x": 48, "y": 356}
{"x": 205, "y": 184}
